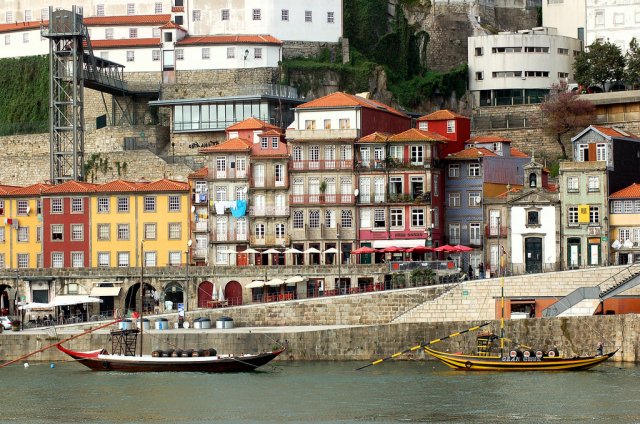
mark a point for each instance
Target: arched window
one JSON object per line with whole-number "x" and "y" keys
{"x": 533, "y": 178}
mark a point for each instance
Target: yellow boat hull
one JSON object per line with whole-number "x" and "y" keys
{"x": 506, "y": 363}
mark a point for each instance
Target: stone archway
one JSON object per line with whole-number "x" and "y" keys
{"x": 205, "y": 294}
{"x": 173, "y": 294}
{"x": 233, "y": 293}
{"x": 132, "y": 299}
{"x": 5, "y": 304}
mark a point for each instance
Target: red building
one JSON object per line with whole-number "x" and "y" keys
{"x": 455, "y": 127}
{"x": 66, "y": 230}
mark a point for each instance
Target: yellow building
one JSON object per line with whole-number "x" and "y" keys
{"x": 625, "y": 225}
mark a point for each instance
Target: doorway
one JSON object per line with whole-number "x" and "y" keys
{"x": 574, "y": 258}
{"x": 533, "y": 254}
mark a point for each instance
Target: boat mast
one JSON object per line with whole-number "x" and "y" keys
{"x": 500, "y": 259}
{"x": 141, "y": 292}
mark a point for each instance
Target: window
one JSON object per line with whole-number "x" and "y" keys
{"x": 77, "y": 232}
{"x": 123, "y": 231}
{"x": 397, "y": 217}
{"x": 149, "y": 203}
{"x": 417, "y": 217}
{"x": 474, "y": 199}
{"x": 454, "y": 170}
{"x": 573, "y": 184}
{"x": 275, "y": 142}
{"x": 533, "y": 218}
{"x": 224, "y": 15}
{"x": 314, "y": 218}
{"x": 284, "y": 14}
{"x": 616, "y": 206}
{"x": 563, "y": 51}
{"x": 7, "y": 40}
{"x": 330, "y": 17}
{"x": 474, "y": 169}
{"x": 279, "y": 173}
{"x": 454, "y": 200}
{"x": 532, "y": 49}
{"x": 231, "y": 52}
{"x": 397, "y": 153}
{"x": 417, "y": 155}
{"x": 599, "y": 17}
{"x": 594, "y": 183}
{"x": 77, "y": 259}
{"x": 436, "y": 185}
{"x": 179, "y": 54}
{"x": 23, "y": 234}
{"x": 257, "y": 53}
{"x": 572, "y": 216}
{"x": 44, "y": 14}
{"x": 175, "y": 231}
{"x": 103, "y": 204}
{"x": 206, "y": 53}
{"x": 264, "y": 142}
{"x": 423, "y": 125}
{"x": 308, "y": 16}
{"x": 108, "y": 33}
{"x": 38, "y": 235}
{"x": 158, "y": 8}
{"x": 451, "y": 126}
{"x": 104, "y": 232}
{"x": 2, "y": 239}
{"x": 150, "y": 258}
{"x": 150, "y": 232}
{"x": 601, "y": 152}
{"x": 474, "y": 233}
{"x": 57, "y": 232}
{"x": 1, "y": 207}
{"x": 310, "y": 124}
{"x": 25, "y": 38}
{"x": 479, "y": 76}
{"x": 56, "y": 205}
{"x": 256, "y": 14}
{"x": 344, "y": 123}
{"x": 298, "y": 219}
{"x": 100, "y": 10}
{"x": 77, "y": 205}
{"x": 196, "y": 15}
{"x": 9, "y": 16}
{"x": 131, "y": 9}
{"x": 133, "y": 32}
{"x": 175, "y": 258}
{"x": 395, "y": 185}
{"x": 563, "y": 75}
{"x": 330, "y": 218}
{"x": 259, "y": 231}
{"x": 174, "y": 203}
{"x": 131, "y": 56}
{"x": 23, "y": 260}
{"x": 179, "y": 19}
{"x": 479, "y": 51}
{"x": 347, "y": 218}
{"x": 279, "y": 231}
{"x": 57, "y": 260}
{"x": 454, "y": 233}
{"x": 594, "y": 215}
{"x": 123, "y": 259}
{"x": 104, "y": 259}
{"x": 379, "y": 220}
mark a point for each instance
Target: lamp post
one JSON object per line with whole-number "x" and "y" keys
{"x": 186, "y": 284}
{"x": 605, "y": 238}
{"x": 339, "y": 256}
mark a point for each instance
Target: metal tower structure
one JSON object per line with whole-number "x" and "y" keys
{"x": 66, "y": 33}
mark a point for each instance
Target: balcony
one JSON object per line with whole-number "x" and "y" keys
{"x": 409, "y": 198}
{"x": 475, "y": 241}
{"x": 322, "y": 134}
{"x": 320, "y": 165}
{"x": 199, "y": 253}
{"x": 200, "y": 226}
{"x": 321, "y": 199}
{"x": 255, "y": 184}
{"x": 200, "y": 198}
{"x": 268, "y": 211}
{"x": 369, "y": 165}
{"x": 269, "y": 241}
{"x": 229, "y": 174}
{"x": 221, "y": 237}
{"x": 495, "y": 231}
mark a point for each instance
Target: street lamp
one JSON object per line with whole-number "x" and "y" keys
{"x": 605, "y": 238}
{"x": 339, "y": 256}
{"x": 186, "y": 284}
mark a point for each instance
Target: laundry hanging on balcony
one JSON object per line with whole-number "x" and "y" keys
{"x": 240, "y": 209}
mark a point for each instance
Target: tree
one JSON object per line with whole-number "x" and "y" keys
{"x": 632, "y": 72}
{"x": 565, "y": 112}
{"x": 600, "y": 63}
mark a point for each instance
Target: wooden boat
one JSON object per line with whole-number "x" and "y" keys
{"x": 516, "y": 360}
{"x": 101, "y": 360}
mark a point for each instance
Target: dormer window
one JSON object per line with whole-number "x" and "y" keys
{"x": 264, "y": 142}
{"x": 451, "y": 126}
{"x": 423, "y": 125}
{"x": 274, "y": 142}
{"x": 533, "y": 180}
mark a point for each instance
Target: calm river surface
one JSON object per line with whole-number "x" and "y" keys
{"x": 319, "y": 392}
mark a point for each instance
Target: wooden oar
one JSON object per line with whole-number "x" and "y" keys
{"x": 91, "y": 330}
{"x": 423, "y": 344}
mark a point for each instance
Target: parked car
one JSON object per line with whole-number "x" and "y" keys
{"x": 6, "y": 323}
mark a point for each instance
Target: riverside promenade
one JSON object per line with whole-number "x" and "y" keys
{"x": 373, "y": 325}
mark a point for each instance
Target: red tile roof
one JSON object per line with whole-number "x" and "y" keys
{"x": 471, "y": 153}
{"x": 177, "y": 9}
{"x": 487, "y": 139}
{"x": 32, "y": 190}
{"x": 376, "y": 137}
{"x": 271, "y": 133}
{"x": 441, "y": 115}
{"x": 613, "y": 132}
{"x": 414, "y": 134}
{"x": 340, "y": 99}
{"x": 631, "y": 192}
{"x": 6, "y": 189}
{"x": 118, "y": 186}
{"x": 173, "y": 25}
{"x": 127, "y": 20}
{"x": 164, "y": 185}
{"x": 125, "y": 42}
{"x": 199, "y": 174}
{"x": 71, "y": 186}
{"x": 516, "y": 153}
{"x": 231, "y": 145}
{"x": 229, "y": 39}
{"x": 21, "y": 26}
{"x": 251, "y": 124}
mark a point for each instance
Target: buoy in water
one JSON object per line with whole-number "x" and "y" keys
{"x": 26, "y": 365}
{"x": 52, "y": 365}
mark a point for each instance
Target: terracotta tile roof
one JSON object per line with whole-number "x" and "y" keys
{"x": 125, "y": 42}
{"x": 271, "y": 133}
{"x": 341, "y": 99}
{"x": 471, "y": 153}
{"x": 70, "y": 187}
{"x": 231, "y": 145}
{"x": 173, "y": 25}
{"x": 127, "y": 20}
{"x": 376, "y": 137}
{"x": 21, "y": 26}
{"x": 441, "y": 115}
{"x": 631, "y": 192}
{"x": 6, "y": 189}
{"x": 487, "y": 139}
{"x": 517, "y": 153}
{"x": 164, "y": 185}
{"x": 175, "y": 9}
{"x": 118, "y": 186}
{"x": 613, "y": 132}
{"x": 251, "y": 124}
{"x": 229, "y": 39}
{"x": 414, "y": 134}
{"x": 32, "y": 190}
{"x": 199, "y": 174}
{"x": 281, "y": 151}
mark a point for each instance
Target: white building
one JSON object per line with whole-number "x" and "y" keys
{"x": 519, "y": 67}
{"x": 615, "y": 21}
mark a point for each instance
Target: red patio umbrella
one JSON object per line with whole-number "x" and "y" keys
{"x": 461, "y": 248}
{"x": 420, "y": 249}
{"x": 363, "y": 250}
{"x": 393, "y": 249}
{"x": 445, "y": 248}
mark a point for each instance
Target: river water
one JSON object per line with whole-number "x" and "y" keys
{"x": 319, "y": 392}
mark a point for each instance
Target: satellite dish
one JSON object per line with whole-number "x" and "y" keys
{"x": 193, "y": 209}
{"x": 28, "y": 209}
{"x": 628, "y": 244}
{"x": 616, "y": 244}
{"x": 189, "y": 243}
{"x": 245, "y": 189}
{"x": 356, "y": 192}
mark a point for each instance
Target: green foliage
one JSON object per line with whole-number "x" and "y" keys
{"x": 423, "y": 276}
{"x": 411, "y": 92}
{"x": 632, "y": 72}
{"x": 24, "y": 97}
{"x": 598, "y": 64}
{"x": 95, "y": 164}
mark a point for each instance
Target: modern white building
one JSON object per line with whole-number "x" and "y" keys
{"x": 615, "y": 21}
{"x": 519, "y": 67}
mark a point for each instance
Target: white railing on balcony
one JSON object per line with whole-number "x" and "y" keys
{"x": 378, "y": 198}
{"x": 200, "y": 253}
{"x": 230, "y": 173}
{"x": 202, "y": 226}
{"x": 269, "y": 211}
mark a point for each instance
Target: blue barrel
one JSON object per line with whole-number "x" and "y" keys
{"x": 125, "y": 324}
{"x": 162, "y": 324}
